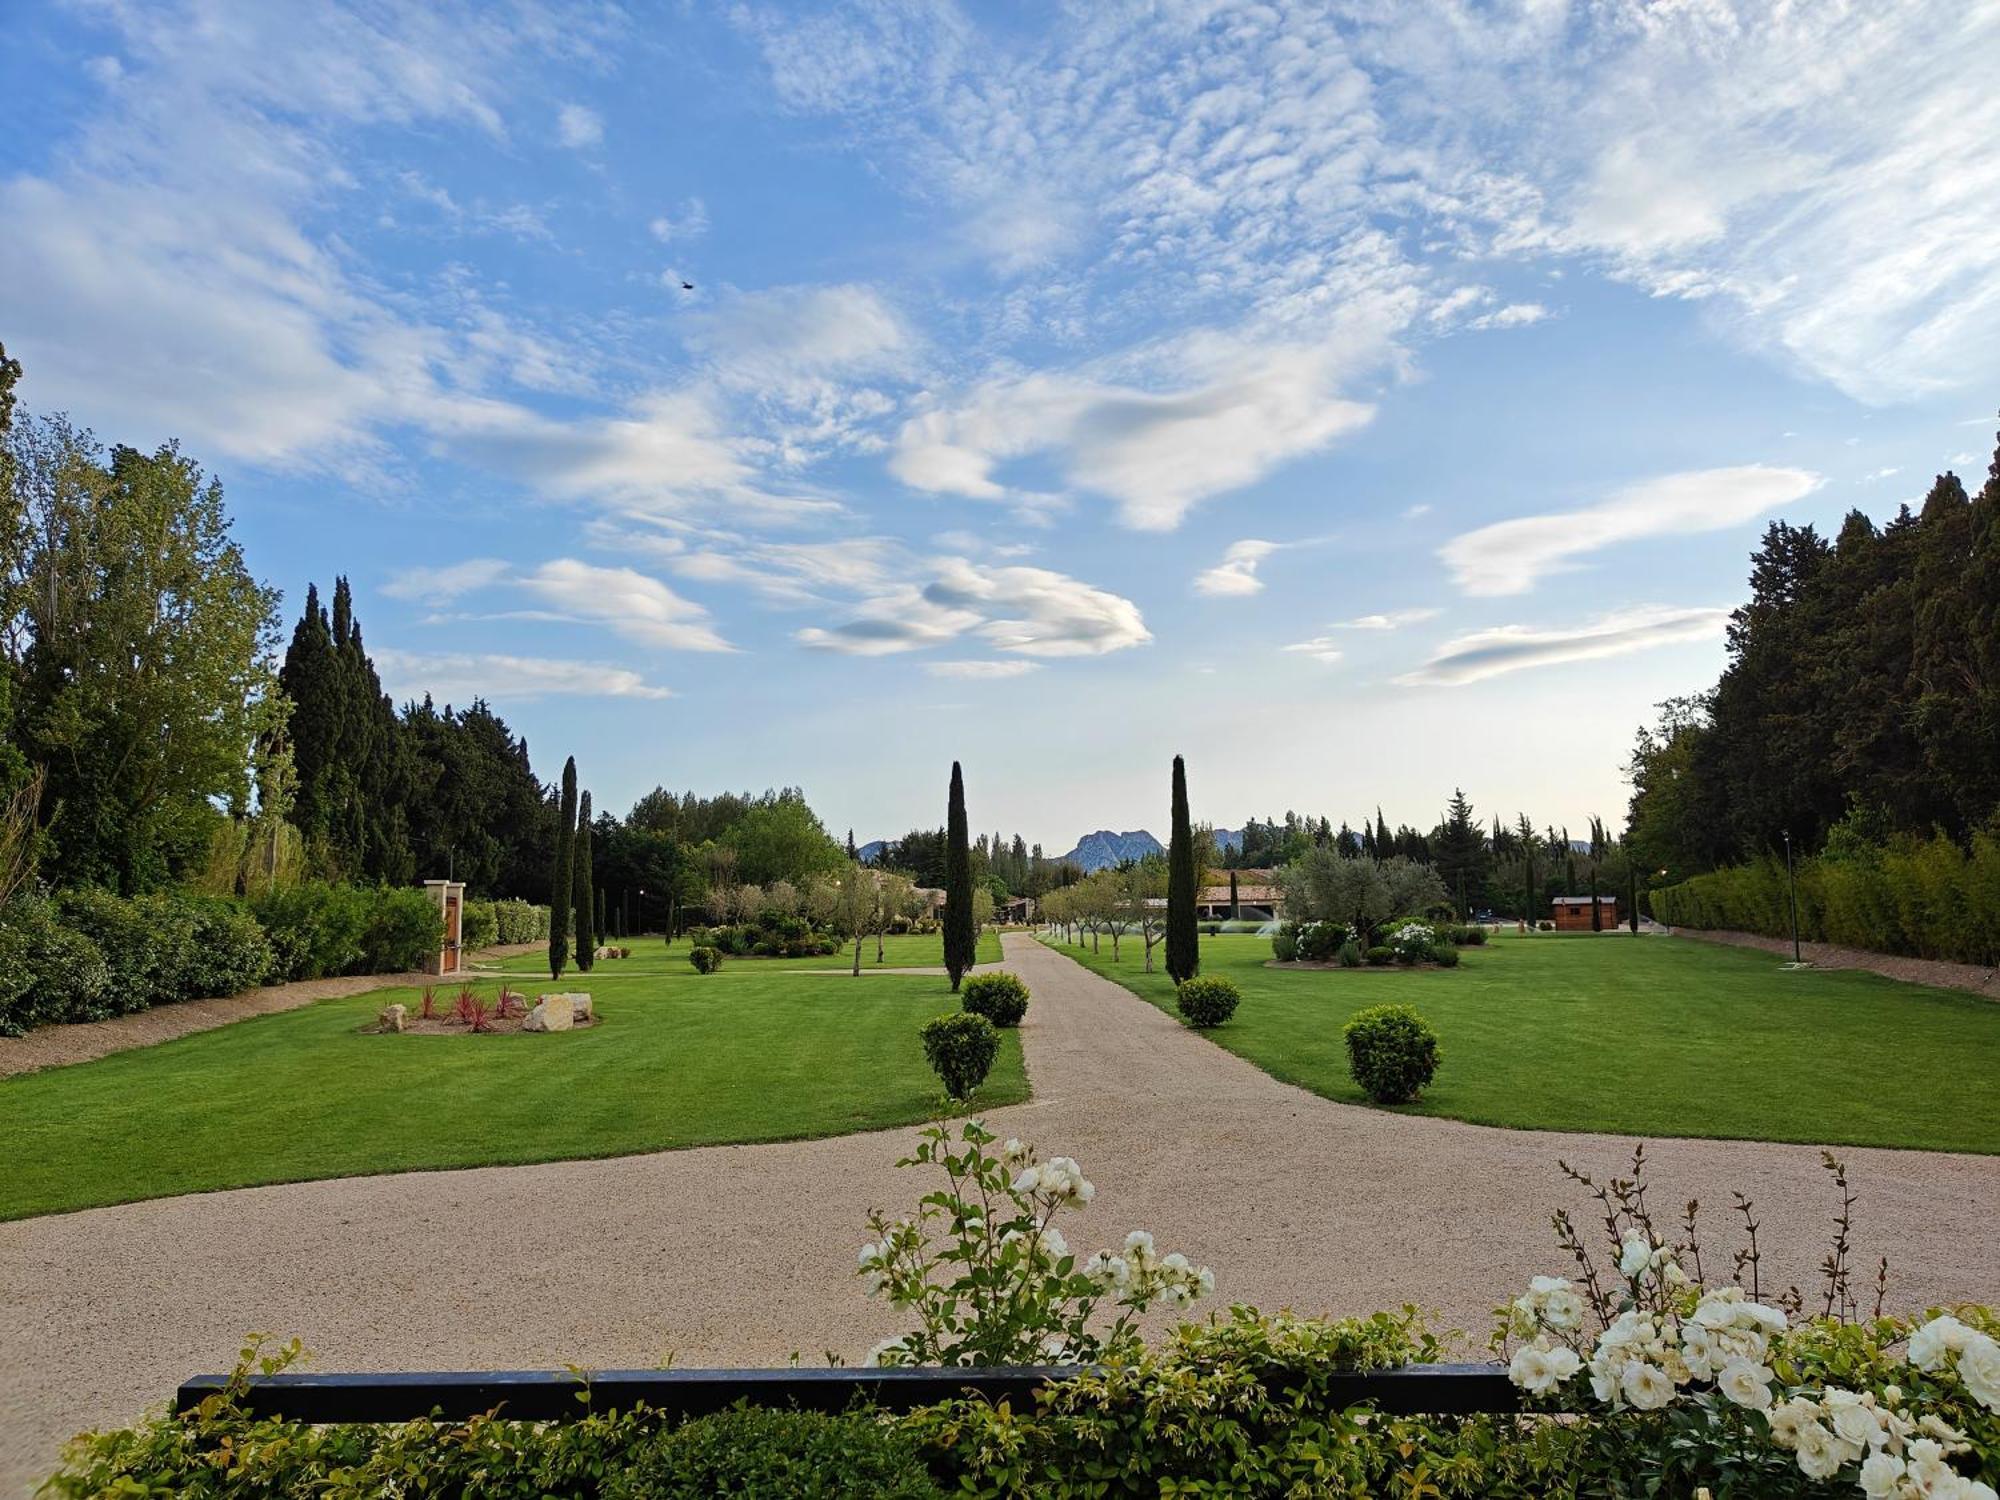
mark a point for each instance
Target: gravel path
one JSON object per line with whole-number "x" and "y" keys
{"x": 744, "y": 1254}
{"x": 81, "y": 1041}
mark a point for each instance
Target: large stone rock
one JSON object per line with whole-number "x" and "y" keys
{"x": 580, "y": 1010}
{"x": 395, "y": 1018}
{"x": 551, "y": 1013}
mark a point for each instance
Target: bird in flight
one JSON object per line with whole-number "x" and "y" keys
{"x": 687, "y": 286}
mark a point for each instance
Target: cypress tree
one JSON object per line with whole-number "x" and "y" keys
{"x": 586, "y": 903}
{"x": 1235, "y": 906}
{"x": 1183, "y": 942}
{"x": 961, "y": 939}
{"x": 564, "y": 878}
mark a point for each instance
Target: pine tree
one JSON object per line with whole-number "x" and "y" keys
{"x": 961, "y": 938}
{"x": 564, "y": 875}
{"x": 586, "y": 903}
{"x": 1183, "y": 941}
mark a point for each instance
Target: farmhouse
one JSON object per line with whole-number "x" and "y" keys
{"x": 1572, "y": 913}
{"x": 1256, "y": 896}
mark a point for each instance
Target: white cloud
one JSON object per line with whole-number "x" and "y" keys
{"x": 1513, "y": 315}
{"x": 1034, "y": 612}
{"x": 1394, "y": 620}
{"x": 1319, "y": 648}
{"x": 981, "y": 670}
{"x": 441, "y": 585}
{"x": 1888, "y": 473}
{"x": 460, "y": 677}
{"x": 689, "y": 221}
{"x": 1236, "y": 574}
{"x": 578, "y": 126}
{"x": 1514, "y": 648}
{"x": 1511, "y": 557}
{"x": 625, "y": 601}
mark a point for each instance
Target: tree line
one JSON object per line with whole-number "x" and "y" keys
{"x": 1862, "y": 688}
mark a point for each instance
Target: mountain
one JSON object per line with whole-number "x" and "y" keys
{"x": 1097, "y": 851}
{"x": 869, "y": 851}
{"x": 1228, "y": 839}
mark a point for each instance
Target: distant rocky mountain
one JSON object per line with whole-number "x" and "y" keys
{"x": 1227, "y": 839}
{"x": 1096, "y": 851}
{"x": 867, "y": 852}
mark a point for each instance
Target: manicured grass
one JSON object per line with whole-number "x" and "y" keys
{"x": 1642, "y": 1036}
{"x": 910, "y": 950}
{"x": 753, "y": 1053}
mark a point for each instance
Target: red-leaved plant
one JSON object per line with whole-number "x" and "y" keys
{"x": 429, "y": 1009}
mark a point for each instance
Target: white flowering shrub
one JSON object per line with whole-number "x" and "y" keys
{"x": 1750, "y": 1393}
{"x": 1413, "y": 942}
{"x": 989, "y": 1275}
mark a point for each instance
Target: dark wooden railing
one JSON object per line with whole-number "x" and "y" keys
{"x": 551, "y": 1395}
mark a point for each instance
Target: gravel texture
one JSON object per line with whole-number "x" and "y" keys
{"x": 81, "y": 1041}
{"x": 1931, "y": 971}
{"x": 745, "y": 1254}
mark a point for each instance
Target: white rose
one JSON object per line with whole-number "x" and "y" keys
{"x": 1636, "y": 1255}
{"x": 1979, "y": 1368}
{"x": 888, "y": 1352}
{"x": 1541, "y": 1286}
{"x": 1880, "y": 1476}
{"x": 1820, "y": 1452}
{"x": 1054, "y": 1243}
{"x": 1529, "y": 1369}
{"x": 1931, "y": 1343}
{"x": 1646, "y": 1386}
{"x": 1788, "y": 1418}
{"x": 1139, "y": 1243}
{"x": 1856, "y": 1424}
{"x": 1563, "y": 1309}
{"x": 1745, "y": 1384}
{"x": 1029, "y": 1179}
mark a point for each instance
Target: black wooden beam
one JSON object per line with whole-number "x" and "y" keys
{"x": 550, "y": 1395}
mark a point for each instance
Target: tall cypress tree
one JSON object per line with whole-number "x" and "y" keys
{"x": 961, "y": 938}
{"x": 565, "y": 878}
{"x": 586, "y": 901}
{"x": 1183, "y": 942}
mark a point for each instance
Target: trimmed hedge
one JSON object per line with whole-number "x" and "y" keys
{"x": 1392, "y": 1053}
{"x": 1922, "y": 898}
{"x": 1207, "y": 1000}
{"x": 1001, "y": 998}
{"x": 751, "y": 1451}
{"x": 960, "y": 1048}
{"x": 705, "y": 958}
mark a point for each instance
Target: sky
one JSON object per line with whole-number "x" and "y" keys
{"x": 1363, "y": 400}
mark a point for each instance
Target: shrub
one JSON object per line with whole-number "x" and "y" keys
{"x": 229, "y": 953}
{"x": 1378, "y": 957}
{"x": 752, "y": 1451}
{"x": 1207, "y": 1000}
{"x": 478, "y": 926}
{"x": 520, "y": 922}
{"x": 1001, "y": 998}
{"x": 1445, "y": 956}
{"x": 1472, "y": 935}
{"x": 1285, "y": 944}
{"x": 706, "y": 958}
{"x": 960, "y": 1049}
{"x": 1545, "y": 926}
{"x": 402, "y": 930}
{"x": 1413, "y": 941}
{"x": 1319, "y": 941}
{"x": 1349, "y": 956}
{"x": 1391, "y": 1052}
{"x": 314, "y": 929}
{"x": 48, "y": 972}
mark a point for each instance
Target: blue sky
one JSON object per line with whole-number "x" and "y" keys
{"x": 1364, "y": 400}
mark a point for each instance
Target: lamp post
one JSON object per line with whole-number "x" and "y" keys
{"x": 1792, "y": 889}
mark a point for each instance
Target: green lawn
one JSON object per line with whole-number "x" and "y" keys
{"x": 1641, "y": 1036}
{"x": 753, "y": 1053}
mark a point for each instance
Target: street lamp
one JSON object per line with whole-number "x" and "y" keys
{"x": 1792, "y": 889}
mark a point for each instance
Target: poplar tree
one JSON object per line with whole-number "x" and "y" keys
{"x": 1183, "y": 942}
{"x": 586, "y": 901}
{"x": 961, "y": 936}
{"x": 564, "y": 877}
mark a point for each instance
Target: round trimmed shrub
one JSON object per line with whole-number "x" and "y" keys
{"x": 1379, "y": 957}
{"x": 706, "y": 958}
{"x": 1392, "y": 1053}
{"x": 1001, "y": 998}
{"x": 960, "y": 1049}
{"x": 1207, "y": 1000}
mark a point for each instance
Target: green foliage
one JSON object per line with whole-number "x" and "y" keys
{"x": 1444, "y": 955}
{"x": 520, "y": 922}
{"x": 778, "y": 1455}
{"x": 478, "y": 926}
{"x": 960, "y": 1048}
{"x": 1927, "y": 898}
{"x": 1379, "y": 955}
{"x": 782, "y": 839}
{"x": 316, "y": 930}
{"x": 1285, "y": 944}
{"x": 138, "y": 653}
{"x": 1319, "y": 941}
{"x": 1324, "y": 885}
{"x": 961, "y": 932}
{"x": 1349, "y": 955}
{"x": 706, "y": 959}
{"x": 1183, "y": 946}
{"x": 48, "y": 972}
{"x": 769, "y": 934}
{"x": 1001, "y": 998}
{"x": 1207, "y": 1000}
{"x": 1391, "y": 1052}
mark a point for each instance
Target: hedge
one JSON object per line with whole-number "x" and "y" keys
{"x": 1921, "y": 898}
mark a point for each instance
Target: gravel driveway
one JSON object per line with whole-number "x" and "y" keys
{"x": 745, "y": 1254}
